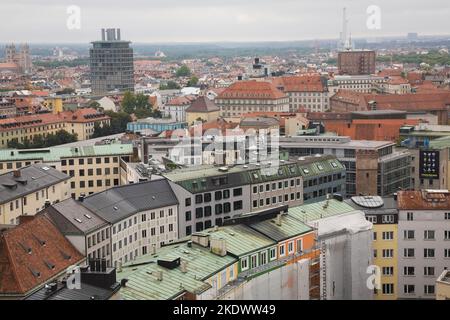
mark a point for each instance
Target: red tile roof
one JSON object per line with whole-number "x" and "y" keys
{"x": 410, "y": 101}
{"x": 181, "y": 101}
{"x": 77, "y": 116}
{"x": 203, "y": 104}
{"x": 301, "y": 83}
{"x": 252, "y": 89}
{"x": 426, "y": 200}
{"x": 33, "y": 253}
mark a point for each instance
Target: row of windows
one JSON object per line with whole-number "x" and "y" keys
{"x": 274, "y": 200}
{"x": 388, "y": 288}
{"x": 218, "y": 209}
{"x": 97, "y": 238}
{"x": 90, "y": 172}
{"x": 427, "y": 235}
{"x": 81, "y": 161}
{"x": 276, "y": 186}
{"x": 90, "y": 183}
{"x": 427, "y": 253}
{"x": 218, "y": 195}
{"x": 143, "y": 218}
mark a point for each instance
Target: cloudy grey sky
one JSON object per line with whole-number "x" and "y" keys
{"x": 216, "y": 20}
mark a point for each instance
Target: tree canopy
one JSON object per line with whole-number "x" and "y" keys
{"x": 183, "y": 71}
{"x": 39, "y": 141}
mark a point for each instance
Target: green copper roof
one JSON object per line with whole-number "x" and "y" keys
{"x": 319, "y": 210}
{"x": 241, "y": 240}
{"x": 56, "y": 153}
{"x": 288, "y": 228}
{"x": 207, "y": 178}
{"x": 440, "y": 143}
{"x": 143, "y": 283}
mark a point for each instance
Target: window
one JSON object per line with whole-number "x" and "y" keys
{"x": 226, "y": 207}
{"x": 388, "y": 235}
{"x": 237, "y": 205}
{"x": 388, "y": 253}
{"x": 188, "y": 230}
{"x": 388, "y": 218}
{"x": 447, "y": 215}
{"x": 299, "y": 245}
{"x": 388, "y": 288}
{"x": 237, "y": 192}
{"x": 428, "y": 253}
{"x": 428, "y": 271}
{"x": 198, "y": 199}
{"x": 219, "y": 209}
{"x": 409, "y": 234}
{"x": 388, "y": 271}
{"x": 409, "y": 271}
{"x": 187, "y": 202}
{"x": 428, "y": 289}
{"x": 409, "y": 216}
{"x": 207, "y": 197}
{"x": 291, "y": 247}
{"x": 226, "y": 194}
{"x": 199, "y": 213}
{"x": 282, "y": 250}
{"x": 372, "y": 219}
{"x": 199, "y": 226}
{"x": 428, "y": 235}
{"x": 447, "y": 235}
{"x": 263, "y": 258}
{"x": 446, "y": 253}
{"x": 244, "y": 264}
{"x": 374, "y": 236}
{"x": 408, "y": 253}
{"x": 218, "y": 195}
{"x": 188, "y": 216}
{"x": 254, "y": 261}
{"x": 409, "y": 289}
{"x": 272, "y": 254}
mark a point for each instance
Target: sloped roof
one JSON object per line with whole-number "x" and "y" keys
{"x": 33, "y": 253}
{"x": 72, "y": 217}
{"x": 202, "y": 104}
{"x": 252, "y": 89}
{"x": 423, "y": 200}
{"x": 121, "y": 202}
{"x": 32, "y": 178}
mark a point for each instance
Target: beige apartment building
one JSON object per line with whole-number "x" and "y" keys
{"x": 81, "y": 122}
{"x": 91, "y": 168}
{"x": 251, "y": 96}
{"x": 26, "y": 191}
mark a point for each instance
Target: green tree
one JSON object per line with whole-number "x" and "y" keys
{"x": 50, "y": 140}
{"x": 183, "y": 71}
{"x": 128, "y": 102}
{"x": 170, "y": 85}
{"x": 193, "y": 81}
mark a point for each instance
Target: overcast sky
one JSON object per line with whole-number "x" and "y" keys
{"x": 216, "y": 20}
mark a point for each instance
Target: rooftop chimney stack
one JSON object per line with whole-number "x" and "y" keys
{"x": 16, "y": 174}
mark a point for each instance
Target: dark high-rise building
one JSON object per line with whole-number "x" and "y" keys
{"x": 356, "y": 62}
{"x": 111, "y": 62}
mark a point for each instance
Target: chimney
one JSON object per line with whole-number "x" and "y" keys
{"x": 278, "y": 220}
{"x": 153, "y": 249}
{"x": 183, "y": 266}
{"x": 395, "y": 196}
{"x": 189, "y": 244}
{"x": 17, "y": 174}
{"x": 119, "y": 266}
{"x": 81, "y": 197}
{"x": 24, "y": 219}
{"x": 159, "y": 275}
{"x": 47, "y": 203}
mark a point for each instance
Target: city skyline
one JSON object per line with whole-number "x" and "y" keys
{"x": 200, "y": 21}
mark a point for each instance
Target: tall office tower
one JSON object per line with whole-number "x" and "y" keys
{"x": 356, "y": 62}
{"x": 111, "y": 62}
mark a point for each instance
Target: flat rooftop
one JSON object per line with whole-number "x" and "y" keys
{"x": 334, "y": 142}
